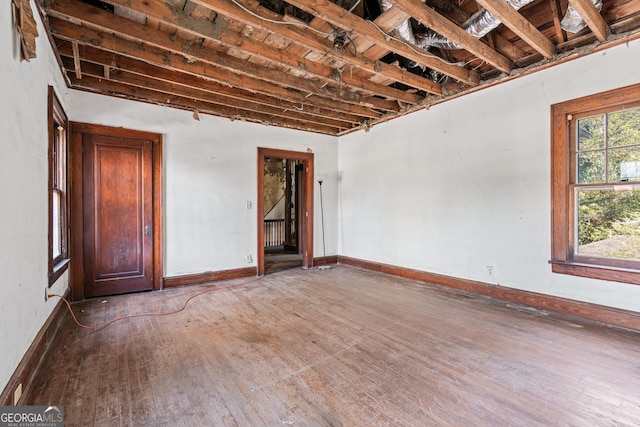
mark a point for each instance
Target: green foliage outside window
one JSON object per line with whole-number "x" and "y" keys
{"x": 608, "y": 152}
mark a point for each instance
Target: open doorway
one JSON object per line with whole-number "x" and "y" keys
{"x": 285, "y": 207}
{"x": 283, "y": 183}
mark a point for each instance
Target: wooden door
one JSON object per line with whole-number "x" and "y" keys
{"x": 117, "y": 215}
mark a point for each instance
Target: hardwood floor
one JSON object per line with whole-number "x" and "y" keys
{"x": 344, "y": 347}
{"x": 279, "y": 260}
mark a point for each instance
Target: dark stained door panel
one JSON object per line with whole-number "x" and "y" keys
{"x": 117, "y": 199}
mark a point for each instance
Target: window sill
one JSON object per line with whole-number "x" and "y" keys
{"x": 58, "y": 269}
{"x": 593, "y": 271}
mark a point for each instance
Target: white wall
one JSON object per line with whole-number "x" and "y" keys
{"x": 210, "y": 172}
{"x": 449, "y": 190}
{"x": 466, "y": 184}
{"x": 24, "y": 192}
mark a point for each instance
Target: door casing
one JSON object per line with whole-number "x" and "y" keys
{"x": 306, "y": 225}
{"x": 76, "y": 248}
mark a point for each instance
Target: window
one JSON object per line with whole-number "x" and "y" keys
{"x": 58, "y": 205}
{"x": 596, "y": 186}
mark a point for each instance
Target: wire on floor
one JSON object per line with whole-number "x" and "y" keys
{"x": 133, "y": 316}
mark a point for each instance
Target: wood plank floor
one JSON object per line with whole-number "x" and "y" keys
{"x": 344, "y": 347}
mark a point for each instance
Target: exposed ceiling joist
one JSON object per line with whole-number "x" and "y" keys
{"x": 313, "y": 65}
{"x": 122, "y": 62}
{"x": 441, "y": 25}
{"x": 335, "y": 15}
{"x": 519, "y": 25}
{"x": 592, "y": 17}
{"x": 193, "y": 51}
{"x": 273, "y": 24}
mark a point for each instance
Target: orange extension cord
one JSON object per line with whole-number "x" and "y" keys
{"x": 167, "y": 313}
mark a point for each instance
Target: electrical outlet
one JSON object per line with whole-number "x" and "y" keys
{"x": 17, "y": 394}
{"x": 248, "y": 259}
{"x": 490, "y": 270}
{"x": 249, "y": 204}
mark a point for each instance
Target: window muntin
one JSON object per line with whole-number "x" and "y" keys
{"x": 608, "y": 147}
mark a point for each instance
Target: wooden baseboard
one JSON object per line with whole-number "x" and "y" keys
{"x": 599, "y": 313}
{"x": 208, "y": 276}
{"x": 26, "y": 369}
{"x": 331, "y": 259}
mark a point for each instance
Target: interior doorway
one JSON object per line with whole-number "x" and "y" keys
{"x": 283, "y": 184}
{"x": 285, "y": 210}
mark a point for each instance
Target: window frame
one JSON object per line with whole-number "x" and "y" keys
{"x": 58, "y": 172}
{"x": 563, "y": 257}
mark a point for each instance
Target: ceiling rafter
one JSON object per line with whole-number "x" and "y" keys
{"x": 118, "y": 57}
{"x": 442, "y": 25}
{"x": 460, "y": 16}
{"x": 191, "y": 49}
{"x": 592, "y": 17}
{"x": 554, "y": 5}
{"x": 336, "y": 16}
{"x": 297, "y": 35}
{"x": 91, "y": 84}
{"x": 113, "y": 62}
{"x": 224, "y": 105}
{"x": 193, "y": 52}
{"x": 274, "y": 61}
{"x": 519, "y": 25}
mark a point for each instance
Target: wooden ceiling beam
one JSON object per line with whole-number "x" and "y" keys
{"x": 93, "y": 56}
{"x": 68, "y": 31}
{"x": 76, "y": 60}
{"x": 440, "y": 24}
{"x": 555, "y": 7}
{"x": 223, "y": 106}
{"x": 460, "y": 16}
{"x": 519, "y": 25}
{"x": 227, "y": 105}
{"x": 592, "y": 17}
{"x": 121, "y": 62}
{"x": 391, "y": 18}
{"x": 387, "y": 21}
{"x": 105, "y": 87}
{"x": 299, "y": 36}
{"x": 316, "y": 42}
{"x": 104, "y": 21}
{"x": 335, "y": 15}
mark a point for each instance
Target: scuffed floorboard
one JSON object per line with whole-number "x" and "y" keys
{"x": 343, "y": 347}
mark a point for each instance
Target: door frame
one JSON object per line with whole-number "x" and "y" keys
{"x": 76, "y": 247}
{"x": 306, "y": 228}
